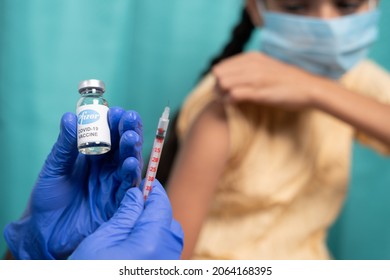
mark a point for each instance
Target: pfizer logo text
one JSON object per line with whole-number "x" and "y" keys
{"x": 87, "y": 117}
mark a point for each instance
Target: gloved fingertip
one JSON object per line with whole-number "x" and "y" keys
{"x": 131, "y": 205}
{"x": 157, "y": 205}
{"x": 69, "y": 126}
{"x": 130, "y": 170}
{"x": 130, "y": 120}
{"x": 115, "y": 113}
{"x": 134, "y": 116}
{"x": 158, "y": 189}
{"x": 133, "y": 195}
{"x": 130, "y": 138}
{"x": 130, "y": 173}
{"x": 130, "y": 164}
{"x": 68, "y": 117}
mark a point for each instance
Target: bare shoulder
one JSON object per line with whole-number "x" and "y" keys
{"x": 205, "y": 146}
{"x": 211, "y": 121}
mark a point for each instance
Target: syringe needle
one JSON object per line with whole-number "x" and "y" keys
{"x": 156, "y": 152}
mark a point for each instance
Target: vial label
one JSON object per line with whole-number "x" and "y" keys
{"x": 92, "y": 125}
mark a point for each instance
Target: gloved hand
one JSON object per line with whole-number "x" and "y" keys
{"x": 135, "y": 232}
{"x": 75, "y": 193}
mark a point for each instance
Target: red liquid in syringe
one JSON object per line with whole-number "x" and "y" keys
{"x": 156, "y": 152}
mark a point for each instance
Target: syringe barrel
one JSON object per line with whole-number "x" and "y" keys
{"x": 163, "y": 125}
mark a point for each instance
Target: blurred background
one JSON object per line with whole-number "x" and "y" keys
{"x": 149, "y": 53}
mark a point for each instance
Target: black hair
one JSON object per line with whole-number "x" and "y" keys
{"x": 240, "y": 36}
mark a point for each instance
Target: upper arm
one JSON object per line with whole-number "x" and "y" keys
{"x": 199, "y": 165}
{"x": 370, "y": 80}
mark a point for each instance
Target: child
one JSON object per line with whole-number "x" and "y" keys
{"x": 266, "y": 137}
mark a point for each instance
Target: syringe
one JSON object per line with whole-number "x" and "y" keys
{"x": 156, "y": 152}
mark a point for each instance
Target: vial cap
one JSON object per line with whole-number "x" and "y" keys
{"x": 92, "y": 83}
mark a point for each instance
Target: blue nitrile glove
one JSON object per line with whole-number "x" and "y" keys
{"x": 75, "y": 193}
{"x": 135, "y": 232}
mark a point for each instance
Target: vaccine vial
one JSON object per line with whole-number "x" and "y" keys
{"x": 93, "y": 132}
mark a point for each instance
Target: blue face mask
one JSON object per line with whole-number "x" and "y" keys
{"x": 324, "y": 47}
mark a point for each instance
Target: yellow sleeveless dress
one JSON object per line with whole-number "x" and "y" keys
{"x": 287, "y": 174}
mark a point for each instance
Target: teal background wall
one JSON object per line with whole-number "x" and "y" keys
{"x": 149, "y": 53}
